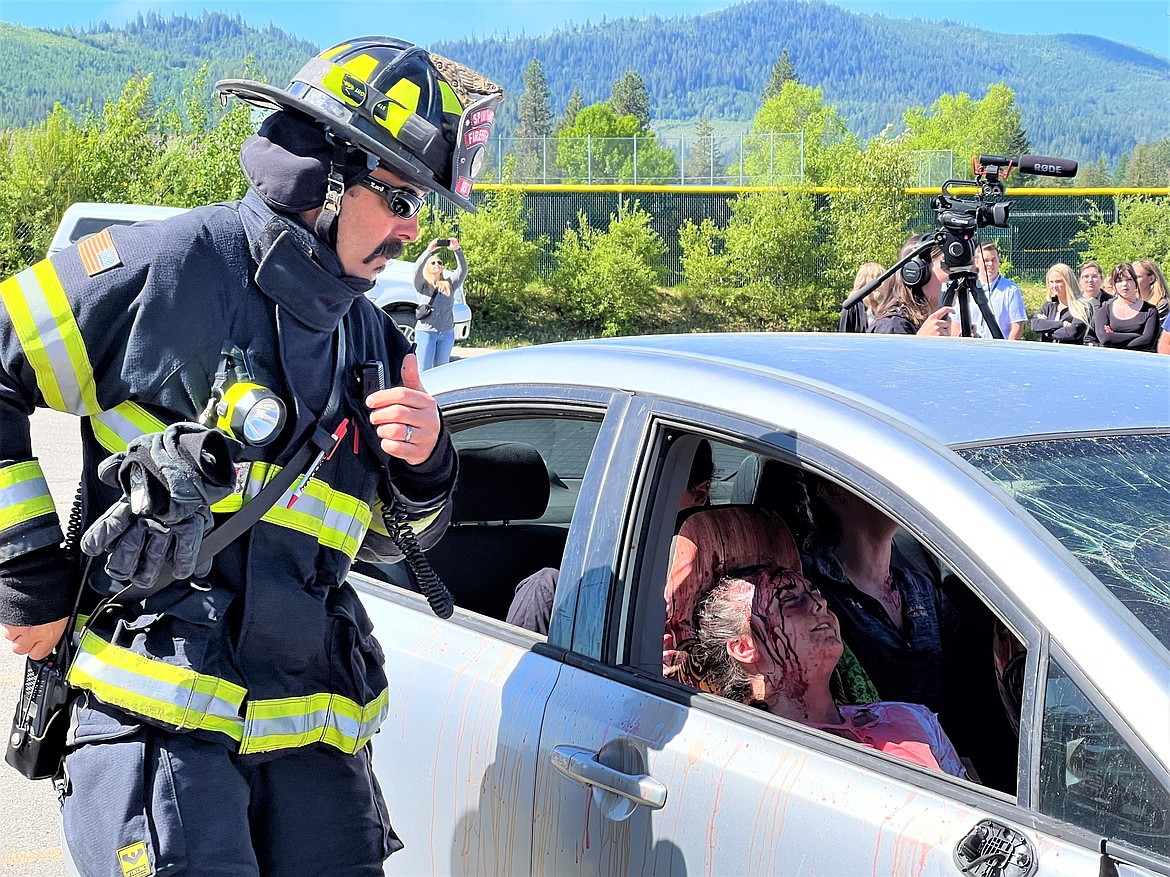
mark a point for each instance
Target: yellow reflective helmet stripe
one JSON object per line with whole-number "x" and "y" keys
{"x": 451, "y": 102}
{"x": 329, "y": 54}
{"x": 116, "y": 428}
{"x": 24, "y": 494}
{"x": 361, "y": 66}
{"x": 174, "y": 695}
{"x": 291, "y": 722}
{"x": 51, "y": 338}
{"x": 404, "y": 96}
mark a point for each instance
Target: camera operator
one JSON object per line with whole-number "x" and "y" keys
{"x": 912, "y": 306}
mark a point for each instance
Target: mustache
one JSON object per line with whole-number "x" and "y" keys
{"x": 391, "y": 248}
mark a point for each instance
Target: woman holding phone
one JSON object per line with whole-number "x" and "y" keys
{"x": 434, "y": 329}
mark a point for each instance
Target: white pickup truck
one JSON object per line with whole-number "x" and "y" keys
{"x": 394, "y": 291}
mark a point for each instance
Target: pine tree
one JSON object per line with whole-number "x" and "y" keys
{"x": 574, "y": 106}
{"x": 700, "y": 166}
{"x": 630, "y": 98}
{"x": 782, "y": 71}
{"x": 534, "y": 128}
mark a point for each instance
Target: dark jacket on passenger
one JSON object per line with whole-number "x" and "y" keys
{"x": 904, "y": 665}
{"x": 273, "y": 650}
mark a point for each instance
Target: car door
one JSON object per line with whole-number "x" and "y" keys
{"x": 456, "y": 755}
{"x": 637, "y": 775}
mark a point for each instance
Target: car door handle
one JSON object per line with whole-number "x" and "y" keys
{"x": 582, "y": 766}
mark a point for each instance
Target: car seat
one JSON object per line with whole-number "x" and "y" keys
{"x": 495, "y": 538}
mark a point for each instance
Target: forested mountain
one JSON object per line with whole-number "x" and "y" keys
{"x": 39, "y": 68}
{"x": 1080, "y": 96}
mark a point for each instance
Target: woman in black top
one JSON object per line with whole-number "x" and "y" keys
{"x": 1126, "y": 320}
{"x": 1067, "y": 315}
{"x": 907, "y": 310}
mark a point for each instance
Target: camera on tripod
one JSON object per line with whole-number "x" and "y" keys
{"x": 958, "y": 221}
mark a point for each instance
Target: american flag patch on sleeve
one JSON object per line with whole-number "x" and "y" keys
{"x": 98, "y": 253}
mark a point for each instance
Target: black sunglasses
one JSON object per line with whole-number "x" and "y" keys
{"x": 403, "y": 203}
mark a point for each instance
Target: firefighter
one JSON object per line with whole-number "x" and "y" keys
{"x": 222, "y": 725}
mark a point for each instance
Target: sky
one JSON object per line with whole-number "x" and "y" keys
{"x": 1141, "y": 23}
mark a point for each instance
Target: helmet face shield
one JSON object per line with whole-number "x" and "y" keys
{"x": 423, "y": 117}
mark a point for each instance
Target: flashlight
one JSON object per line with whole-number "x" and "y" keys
{"x": 251, "y": 413}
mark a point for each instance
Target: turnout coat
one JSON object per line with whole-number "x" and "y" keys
{"x": 272, "y": 650}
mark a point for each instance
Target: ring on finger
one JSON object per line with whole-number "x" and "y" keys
{"x": 409, "y": 433}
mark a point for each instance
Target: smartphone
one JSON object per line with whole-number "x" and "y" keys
{"x": 443, "y": 242}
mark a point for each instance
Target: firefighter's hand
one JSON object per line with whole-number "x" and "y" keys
{"x": 406, "y": 417}
{"x": 37, "y": 640}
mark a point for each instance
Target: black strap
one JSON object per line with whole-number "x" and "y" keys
{"x": 239, "y": 523}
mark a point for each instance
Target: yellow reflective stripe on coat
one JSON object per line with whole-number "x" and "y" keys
{"x": 116, "y": 428}
{"x": 24, "y": 494}
{"x": 51, "y": 338}
{"x": 335, "y": 519}
{"x": 174, "y": 695}
{"x": 290, "y": 722}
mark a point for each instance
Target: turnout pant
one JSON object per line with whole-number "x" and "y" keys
{"x": 141, "y": 802}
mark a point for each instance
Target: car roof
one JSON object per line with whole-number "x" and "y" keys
{"x": 957, "y": 390}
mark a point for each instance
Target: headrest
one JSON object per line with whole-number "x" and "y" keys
{"x": 778, "y": 487}
{"x": 500, "y": 481}
{"x": 710, "y": 543}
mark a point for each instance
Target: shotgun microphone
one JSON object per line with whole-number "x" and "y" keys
{"x": 1047, "y": 166}
{"x": 1033, "y": 165}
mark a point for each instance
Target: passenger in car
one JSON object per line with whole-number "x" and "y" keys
{"x": 532, "y": 606}
{"x": 893, "y": 614}
{"x": 767, "y": 638}
{"x": 711, "y": 542}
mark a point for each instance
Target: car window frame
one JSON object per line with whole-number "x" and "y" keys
{"x": 640, "y": 572}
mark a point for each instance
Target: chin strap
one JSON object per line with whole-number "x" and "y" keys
{"x": 326, "y": 225}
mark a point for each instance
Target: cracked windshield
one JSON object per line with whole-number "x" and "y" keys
{"x": 1107, "y": 499}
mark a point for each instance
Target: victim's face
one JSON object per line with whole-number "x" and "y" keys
{"x": 796, "y": 635}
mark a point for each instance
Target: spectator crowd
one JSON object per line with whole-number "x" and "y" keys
{"x": 1128, "y": 308}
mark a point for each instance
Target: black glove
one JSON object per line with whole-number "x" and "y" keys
{"x": 169, "y": 475}
{"x": 169, "y": 481}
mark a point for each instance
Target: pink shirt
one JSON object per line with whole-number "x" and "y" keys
{"x": 906, "y": 730}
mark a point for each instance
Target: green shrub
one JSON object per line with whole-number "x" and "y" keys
{"x": 1141, "y": 232}
{"x": 501, "y": 261}
{"x": 608, "y": 279}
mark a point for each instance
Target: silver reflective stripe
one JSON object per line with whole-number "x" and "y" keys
{"x": 116, "y": 428}
{"x": 56, "y": 340}
{"x": 176, "y": 695}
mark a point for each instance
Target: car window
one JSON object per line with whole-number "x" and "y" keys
{"x": 1107, "y": 499}
{"x": 988, "y": 749}
{"x": 520, "y": 478}
{"x": 564, "y": 443}
{"x": 1091, "y": 778}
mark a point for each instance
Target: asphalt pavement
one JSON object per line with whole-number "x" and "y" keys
{"x": 30, "y": 822}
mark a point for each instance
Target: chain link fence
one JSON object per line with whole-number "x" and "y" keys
{"x": 1040, "y": 232}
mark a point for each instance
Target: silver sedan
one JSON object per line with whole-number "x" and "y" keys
{"x": 1032, "y": 481}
